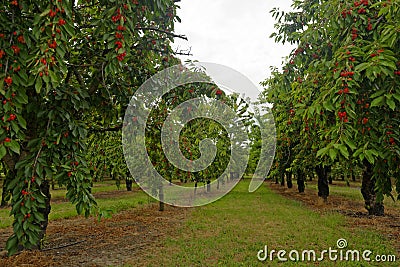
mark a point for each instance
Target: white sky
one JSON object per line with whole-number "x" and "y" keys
{"x": 232, "y": 33}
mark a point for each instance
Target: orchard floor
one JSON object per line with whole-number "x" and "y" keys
{"x": 129, "y": 236}
{"x": 388, "y": 225}
{"x": 86, "y": 242}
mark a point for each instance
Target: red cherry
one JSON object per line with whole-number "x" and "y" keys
{"x": 7, "y": 140}
{"x": 61, "y": 22}
{"x": 364, "y": 120}
{"x": 8, "y": 80}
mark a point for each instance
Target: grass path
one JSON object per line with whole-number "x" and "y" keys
{"x": 232, "y": 230}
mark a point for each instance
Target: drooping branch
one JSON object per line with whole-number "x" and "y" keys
{"x": 162, "y": 31}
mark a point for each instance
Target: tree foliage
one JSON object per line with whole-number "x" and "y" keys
{"x": 337, "y": 98}
{"x": 67, "y": 70}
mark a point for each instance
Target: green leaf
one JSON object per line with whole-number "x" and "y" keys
{"x": 3, "y": 151}
{"x": 369, "y": 156}
{"x": 22, "y": 98}
{"x": 332, "y": 153}
{"x": 390, "y": 64}
{"x": 38, "y": 85}
{"x": 379, "y": 93}
{"x": 60, "y": 51}
{"x": 22, "y": 122}
{"x": 14, "y": 146}
{"x": 362, "y": 67}
{"x": 397, "y": 96}
{"x": 322, "y": 151}
{"x": 344, "y": 151}
{"x": 390, "y": 102}
{"x": 69, "y": 29}
{"x": 377, "y": 101}
{"x": 39, "y": 216}
{"x": 79, "y": 208}
{"x": 12, "y": 245}
{"x": 2, "y": 88}
{"x": 350, "y": 143}
{"x": 54, "y": 78}
{"x": 44, "y": 13}
{"x": 328, "y": 105}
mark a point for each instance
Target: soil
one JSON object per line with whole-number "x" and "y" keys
{"x": 112, "y": 242}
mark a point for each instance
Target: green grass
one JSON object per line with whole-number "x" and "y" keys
{"x": 115, "y": 204}
{"x": 353, "y": 192}
{"x": 63, "y": 210}
{"x": 232, "y": 230}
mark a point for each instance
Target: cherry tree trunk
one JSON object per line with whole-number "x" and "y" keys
{"x": 289, "y": 180}
{"x": 301, "y": 177}
{"x": 45, "y": 189}
{"x": 368, "y": 191}
{"x": 161, "y": 195}
{"x": 323, "y": 186}
{"x": 4, "y": 195}
{"x": 283, "y": 179}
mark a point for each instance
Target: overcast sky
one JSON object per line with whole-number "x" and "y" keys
{"x": 233, "y": 33}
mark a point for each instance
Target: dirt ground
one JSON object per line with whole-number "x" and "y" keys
{"x": 112, "y": 242}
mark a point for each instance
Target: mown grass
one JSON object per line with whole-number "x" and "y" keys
{"x": 230, "y": 232}
{"x": 63, "y": 210}
{"x": 353, "y": 192}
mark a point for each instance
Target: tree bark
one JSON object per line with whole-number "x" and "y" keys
{"x": 45, "y": 189}
{"x": 323, "y": 186}
{"x": 301, "y": 181}
{"x": 283, "y": 179}
{"x": 128, "y": 183}
{"x": 4, "y": 194}
{"x": 368, "y": 191}
{"x": 289, "y": 180}
{"x": 161, "y": 194}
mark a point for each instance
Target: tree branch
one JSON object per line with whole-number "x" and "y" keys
{"x": 162, "y": 31}
{"x": 79, "y": 78}
{"x": 103, "y": 130}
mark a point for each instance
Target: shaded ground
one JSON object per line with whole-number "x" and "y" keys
{"x": 388, "y": 225}
{"x": 87, "y": 242}
{"x": 126, "y": 236}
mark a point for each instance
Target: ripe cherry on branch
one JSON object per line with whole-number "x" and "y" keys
{"x": 8, "y": 80}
